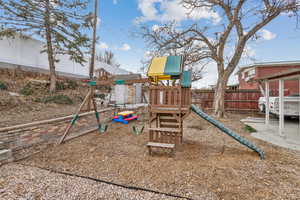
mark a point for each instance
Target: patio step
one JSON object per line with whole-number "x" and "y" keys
{"x": 5, "y": 154}
{"x": 2, "y": 145}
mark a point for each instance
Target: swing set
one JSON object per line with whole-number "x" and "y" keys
{"x": 103, "y": 80}
{"x": 90, "y": 100}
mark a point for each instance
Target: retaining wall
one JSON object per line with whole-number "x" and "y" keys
{"x": 21, "y": 138}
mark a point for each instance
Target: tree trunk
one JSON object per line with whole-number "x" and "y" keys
{"x": 219, "y": 96}
{"x": 50, "y": 49}
{"x": 92, "y": 63}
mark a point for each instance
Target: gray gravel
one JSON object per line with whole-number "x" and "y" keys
{"x": 29, "y": 183}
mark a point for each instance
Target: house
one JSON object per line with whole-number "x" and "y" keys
{"x": 25, "y": 53}
{"x": 248, "y": 76}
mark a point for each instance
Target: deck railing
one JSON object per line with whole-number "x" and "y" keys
{"x": 170, "y": 96}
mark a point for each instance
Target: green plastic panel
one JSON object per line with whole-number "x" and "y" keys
{"x": 92, "y": 83}
{"x": 186, "y": 79}
{"x": 119, "y": 82}
{"x": 173, "y": 65}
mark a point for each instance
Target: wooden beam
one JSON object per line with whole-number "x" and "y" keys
{"x": 142, "y": 80}
{"x": 126, "y": 82}
{"x": 48, "y": 121}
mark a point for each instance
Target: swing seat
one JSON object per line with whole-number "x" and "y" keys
{"x": 103, "y": 128}
{"x": 138, "y": 131}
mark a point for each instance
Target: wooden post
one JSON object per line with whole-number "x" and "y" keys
{"x": 267, "y": 107}
{"x": 281, "y": 107}
{"x": 92, "y": 63}
{"x": 96, "y": 111}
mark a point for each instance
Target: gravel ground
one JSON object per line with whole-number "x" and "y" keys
{"x": 208, "y": 165}
{"x": 26, "y": 183}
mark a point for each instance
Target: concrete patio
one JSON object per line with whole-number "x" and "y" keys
{"x": 269, "y": 133}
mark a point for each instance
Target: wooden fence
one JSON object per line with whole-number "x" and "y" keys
{"x": 235, "y": 100}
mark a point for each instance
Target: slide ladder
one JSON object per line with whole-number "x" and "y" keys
{"x": 226, "y": 130}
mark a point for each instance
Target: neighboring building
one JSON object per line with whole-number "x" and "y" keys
{"x": 24, "y": 53}
{"x": 233, "y": 86}
{"x": 121, "y": 94}
{"x": 249, "y": 75}
{"x": 131, "y": 94}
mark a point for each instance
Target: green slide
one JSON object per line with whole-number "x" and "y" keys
{"x": 229, "y": 132}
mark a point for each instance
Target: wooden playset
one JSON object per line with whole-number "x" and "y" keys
{"x": 169, "y": 104}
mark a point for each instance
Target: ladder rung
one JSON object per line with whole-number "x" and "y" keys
{"x": 162, "y": 145}
{"x": 170, "y": 123}
{"x": 165, "y": 130}
{"x": 166, "y": 117}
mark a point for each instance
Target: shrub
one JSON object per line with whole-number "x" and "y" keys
{"x": 26, "y": 90}
{"x": 60, "y": 86}
{"x": 79, "y": 98}
{"x": 72, "y": 84}
{"x": 250, "y": 129}
{"x": 3, "y": 86}
{"x": 58, "y": 99}
{"x": 38, "y": 100}
{"x": 101, "y": 96}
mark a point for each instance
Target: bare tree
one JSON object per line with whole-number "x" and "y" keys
{"x": 241, "y": 21}
{"x": 60, "y": 23}
{"x": 107, "y": 57}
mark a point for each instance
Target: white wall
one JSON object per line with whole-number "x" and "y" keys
{"x": 138, "y": 93}
{"x": 26, "y": 52}
{"x": 121, "y": 94}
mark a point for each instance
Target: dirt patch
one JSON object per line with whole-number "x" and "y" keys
{"x": 208, "y": 165}
{"x": 21, "y": 109}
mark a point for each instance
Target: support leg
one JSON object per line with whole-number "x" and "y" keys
{"x": 96, "y": 113}
{"x": 75, "y": 118}
{"x": 281, "y": 107}
{"x": 267, "y": 107}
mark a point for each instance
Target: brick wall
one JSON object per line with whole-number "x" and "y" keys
{"x": 291, "y": 86}
{"x": 50, "y": 133}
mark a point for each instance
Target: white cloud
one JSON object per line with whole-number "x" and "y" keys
{"x": 267, "y": 35}
{"x": 147, "y": 54}
{"x": 125, "y": 47}
{"x": 155, "y": 27}
{"x": 209, "y": 76}
{"x": 147, "y": 7}
{"x": 248, "y": 52}
{"x": 54, "y": 3}
{"x": 169, "y": 10}
{"x": 115, "y": 2}
{"x": 98, "y": 21}
{"x": 103, "y": 45}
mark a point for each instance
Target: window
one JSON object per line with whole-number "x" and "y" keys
{"x": 251, "y": 72}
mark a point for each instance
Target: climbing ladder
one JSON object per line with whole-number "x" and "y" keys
{"x": 169, "y": 105}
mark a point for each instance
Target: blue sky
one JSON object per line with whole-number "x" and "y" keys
{"x": 279, "y": 40}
